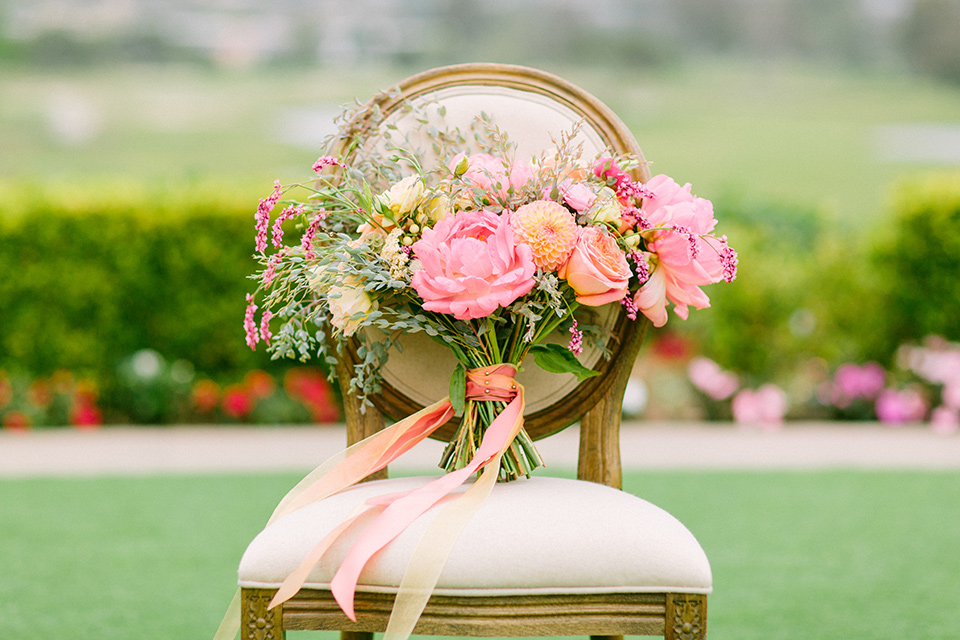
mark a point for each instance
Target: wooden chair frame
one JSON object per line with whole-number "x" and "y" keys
{"x": 675, "y": 616}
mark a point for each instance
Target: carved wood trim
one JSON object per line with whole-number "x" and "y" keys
{"x": 686, "y": 616}
{"x": 256, "y": 621}
{"x": 478, "y": 616}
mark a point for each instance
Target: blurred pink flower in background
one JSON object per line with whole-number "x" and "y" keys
{"x": 764, "y": 407}
{"x": 945, "y": 420}
{"x": 852, "y": 382}
{"x": 707, "y": 376}
{"x": 951, "y": 394}
{"x": 899, "y": 407}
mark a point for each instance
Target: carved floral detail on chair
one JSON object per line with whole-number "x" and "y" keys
{"x": 260, "y": 620}
{"x": 687, "y": 618}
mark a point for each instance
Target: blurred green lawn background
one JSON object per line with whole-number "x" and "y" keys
{"x": 778, "y": 131}
{"x": 812, "y": 555}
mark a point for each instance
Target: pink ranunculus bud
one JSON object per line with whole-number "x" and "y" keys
{"x": 576, "y": 194}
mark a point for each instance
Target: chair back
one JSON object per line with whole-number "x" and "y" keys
{"x": 533, "y": 108}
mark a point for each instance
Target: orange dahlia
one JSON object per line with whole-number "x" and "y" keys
{"x": 548, "y": 229}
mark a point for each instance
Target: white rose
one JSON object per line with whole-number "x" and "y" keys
{"x": 403, "y": 197}
{"x": 345, "y": 303}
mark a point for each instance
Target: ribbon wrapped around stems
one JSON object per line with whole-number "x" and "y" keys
{"x": 395, "y": 512}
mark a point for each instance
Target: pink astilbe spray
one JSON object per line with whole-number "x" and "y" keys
{"x": 263, "y": 215}
{"x": 265, "y": 334}
{"x": 576, "y": 339}
{"x": 728, "y": 260}
{"x": 642, "y": 267}
{"x": 630, "y": 306}
{"x": 285, "y": 215}
{"x": 326, "y": 161}
{"x": 306, "y": 243}
{"x": 271, "y": 271}
{"x": 249, "y": 324}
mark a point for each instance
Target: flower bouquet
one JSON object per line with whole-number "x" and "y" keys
{"x": 493, "y": 256}
{"x": 489, "y": 254}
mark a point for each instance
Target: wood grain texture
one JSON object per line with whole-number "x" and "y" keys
{"x": 362, "y": 422}
{"x": 485, "y": 616}
{"x": 599, "y": 457}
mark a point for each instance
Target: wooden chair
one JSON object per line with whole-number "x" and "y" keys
{"x": 544, "y": 556}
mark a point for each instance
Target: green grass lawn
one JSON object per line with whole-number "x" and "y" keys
{"x": 840, "y": 554}
{"x": 775, "y": 131}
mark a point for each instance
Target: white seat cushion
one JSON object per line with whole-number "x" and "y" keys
{"x": 542, "y": 535}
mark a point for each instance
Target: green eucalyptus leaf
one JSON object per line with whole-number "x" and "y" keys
{"x": 556, "y": 358}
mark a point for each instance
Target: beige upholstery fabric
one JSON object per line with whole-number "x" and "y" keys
{"x": 540, "y": 535}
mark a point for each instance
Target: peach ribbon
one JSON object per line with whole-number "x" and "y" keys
{"x": 397, "y": 511}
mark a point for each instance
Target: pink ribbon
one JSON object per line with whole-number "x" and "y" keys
{"x": 398, "y": 511}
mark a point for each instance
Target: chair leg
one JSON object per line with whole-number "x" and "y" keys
{"x": 606, "y": 637}
{"x": 256, "y": 621}
{"x": 356, "y": 635}
{"x": 686, "y": 617}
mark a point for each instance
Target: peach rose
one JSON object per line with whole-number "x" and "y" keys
{"x": 597, "y": 269}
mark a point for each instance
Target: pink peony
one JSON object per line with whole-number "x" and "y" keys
{"x": 597, "y": 269}
{"x": 764, "y": 407}
{"x": 471, "y": 265}
{"x": 687, "y": 260}
{"x": 651, "y": 298}
{"x": 493, "y": 174}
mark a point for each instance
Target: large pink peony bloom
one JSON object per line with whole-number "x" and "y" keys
{"x": 683, "y": 268}
{"x": 597, "y": 269}
{"x": 493, "y": 174}
{"x": 471, "y": 265}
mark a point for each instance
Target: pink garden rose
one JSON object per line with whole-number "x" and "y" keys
{"x": 487, "y": 171}
{"x": 597, "y": 269}
{"x": 683, "y": 268}
{"x": 471, "y": 265}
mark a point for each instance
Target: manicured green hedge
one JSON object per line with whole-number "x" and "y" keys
{"x": 918, "y": 259}
{"x": 90, "y": 276}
